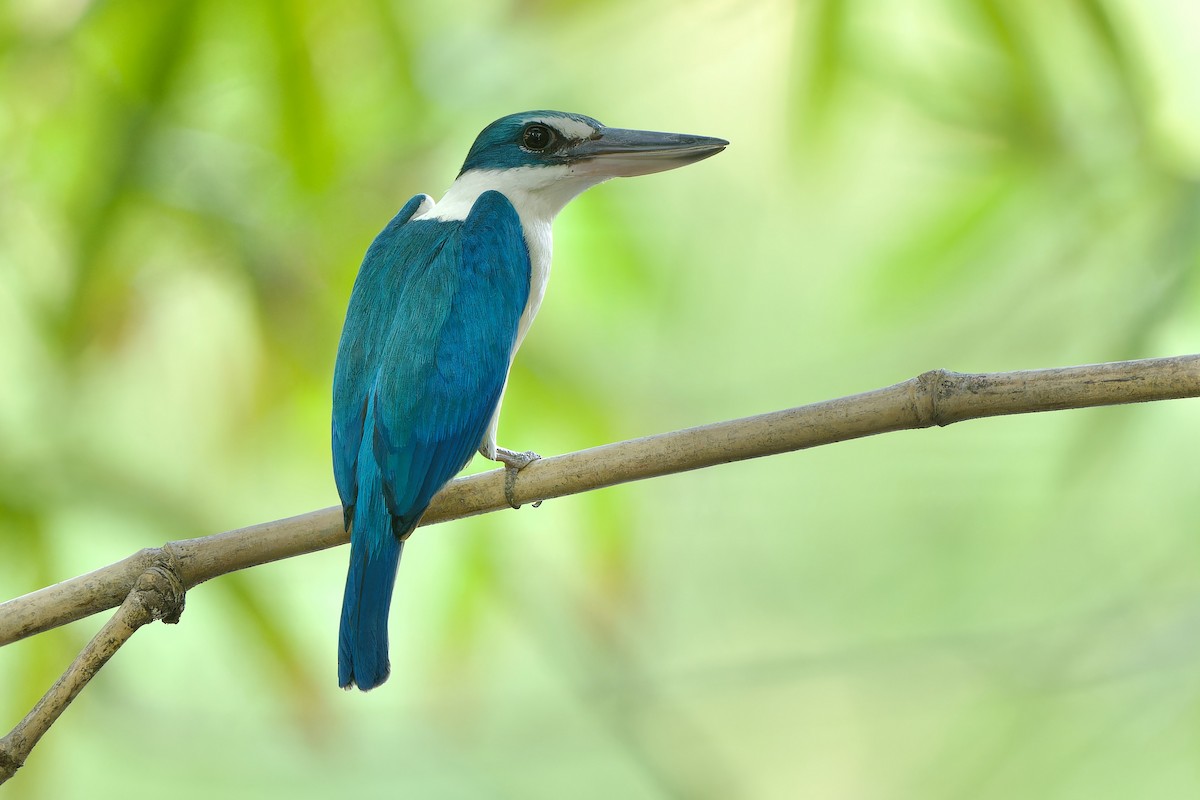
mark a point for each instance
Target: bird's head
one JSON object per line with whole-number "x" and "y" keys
{"x": 545, "y": 158}
{"x": 557, "y": 139}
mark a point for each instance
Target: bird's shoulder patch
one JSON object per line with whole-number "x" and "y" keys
{"x": 495, "y": 206}
{"x": 492, "y": 235}
{"x": 417, "y": 205}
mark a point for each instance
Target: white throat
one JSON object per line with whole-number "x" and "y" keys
{"x": 537, "y": 193}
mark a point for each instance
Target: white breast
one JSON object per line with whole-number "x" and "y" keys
{"x": 540, "y": 244}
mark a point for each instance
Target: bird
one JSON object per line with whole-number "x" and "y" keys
{"x": 444, "y": 297}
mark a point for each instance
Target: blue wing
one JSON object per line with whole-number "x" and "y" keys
{"x": 447, "y": 356}
{"x": 368, "y": 318}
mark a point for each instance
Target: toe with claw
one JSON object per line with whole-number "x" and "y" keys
{"x": 514, "y": 462}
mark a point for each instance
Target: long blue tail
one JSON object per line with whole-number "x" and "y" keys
{"x": 374, "y": 556}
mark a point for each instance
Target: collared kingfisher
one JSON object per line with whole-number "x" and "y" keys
{"x": 443, "y": 299}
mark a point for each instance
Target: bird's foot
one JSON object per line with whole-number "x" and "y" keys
{"x": 513, "y": 463}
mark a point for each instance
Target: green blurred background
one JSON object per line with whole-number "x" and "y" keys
{"x": 1006, "y": 608}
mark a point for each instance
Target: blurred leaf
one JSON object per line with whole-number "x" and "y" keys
{"x": 1112, "y": 42}
{"x": 820, "y": 51}
{"x": 934, "y": 258}
{"x": 303, "y": 130}
{"x": 1020, "y": 100}
{"x": 161, "y": 34}
{"x": 469, "y": 597}
{"x": 263, "y": 625}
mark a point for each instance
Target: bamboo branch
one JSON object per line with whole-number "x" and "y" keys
{"x": 150, "y": 584}
{"x": 933, "y": 398}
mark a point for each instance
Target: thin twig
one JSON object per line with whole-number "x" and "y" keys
{"x": 157, "y": 594}
{"x": 933, "y": 398}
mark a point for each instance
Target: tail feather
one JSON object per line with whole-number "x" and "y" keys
{"x": 363, "y": 638}
{"x": 375, "y": 557}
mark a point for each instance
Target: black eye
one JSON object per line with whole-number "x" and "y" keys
{"x": 537, "y": 137}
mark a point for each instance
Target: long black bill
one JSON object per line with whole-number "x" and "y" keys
{"x": 617, "y": 152}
